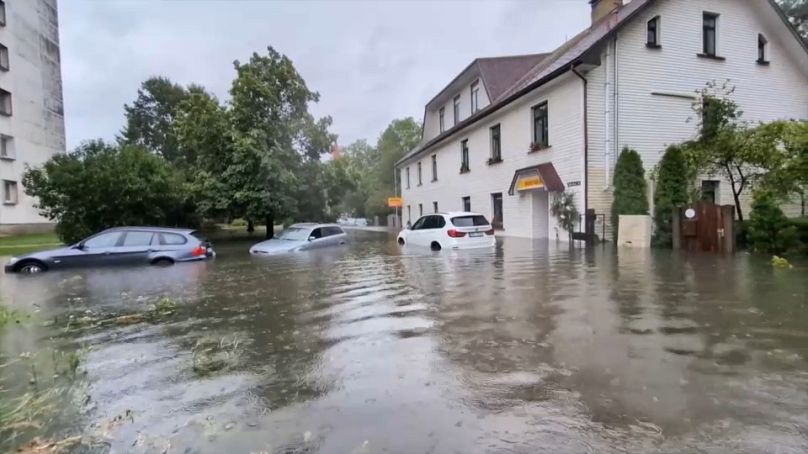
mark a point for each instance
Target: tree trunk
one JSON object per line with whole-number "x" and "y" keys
{"x": 737, "y": 196}
{"x": 270, "y": 226}
{"x": 250, "y": 227}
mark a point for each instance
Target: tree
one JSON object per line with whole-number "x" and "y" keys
{"x": 671, "y": 191}
{"x": 797, "y": 12}
{"x": 99, "y": 185}
{"x": 769, "y": 229}
{"x": 150, "y": 118}
{"x": 564, "y": 209}
{"x": 399, "y": 138}
{"x": 744, "y": 154}
{"x": 629, "y": 187}
{"x": 272, "y": 131}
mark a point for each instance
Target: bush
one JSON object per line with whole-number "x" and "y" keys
{"x": 239, "y": 222}
{"x": 629, "y": 187}
{"x": 769, "y": 230}
{"x": 670, "y": 192}
{"x": 801, "y": 226}
{"x": 98, "y": 186}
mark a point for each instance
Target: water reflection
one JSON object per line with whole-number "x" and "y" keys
{"x": 371, "y": 348}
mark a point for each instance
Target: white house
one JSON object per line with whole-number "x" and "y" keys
{"x": 507, "y": 133}
{"x": 31, "y": 112}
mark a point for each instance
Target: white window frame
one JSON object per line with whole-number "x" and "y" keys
{"x": 10, "y": 192}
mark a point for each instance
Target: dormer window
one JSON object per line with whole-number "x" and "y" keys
{"x": 652, "y": 40}
{"x": 442, "y": 119}
{"x": 456, "y": 108}
{"x": 475, "y": 101}
{"x": 763, "y": 47}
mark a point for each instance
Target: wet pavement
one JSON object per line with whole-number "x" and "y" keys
{"x": 528, "y": 348}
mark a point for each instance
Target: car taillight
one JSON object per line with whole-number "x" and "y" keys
{"x": 199, "y": 251}
{"x": 489, "y": 232}
{"x": 455, "y": 234}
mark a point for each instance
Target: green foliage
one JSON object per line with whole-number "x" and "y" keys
{"x": 564, "y": 209}
{"x": 399, "y": 138}
{"x": 238, "y": 222}
{"x": 629, "y": 187}
{"x": 99, "y": 185}
{"x": 150, "y": 118}
{"x": 770, "y": 155}
{"x": 768, "y": 228}
{"x": 671, "y": 191}
{"x": 797, "y": 12}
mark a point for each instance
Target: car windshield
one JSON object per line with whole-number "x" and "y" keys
{"x": 469, "y": 221}
{"x": 294, "y": 234}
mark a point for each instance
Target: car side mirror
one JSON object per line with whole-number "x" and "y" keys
{"x": 311, "y": 238}
{"x": 78, "y": 246}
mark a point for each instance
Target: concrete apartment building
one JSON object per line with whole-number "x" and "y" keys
{"x": 508, "y": 133}
{"x": 31, "y": 110}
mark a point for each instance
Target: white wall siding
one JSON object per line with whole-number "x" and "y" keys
{"x": 432, "y": 124}
{"x": 564, "y": 98}
{"x": 653, "y": 86}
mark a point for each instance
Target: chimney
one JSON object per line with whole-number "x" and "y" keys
{"x": 602, "y": 8}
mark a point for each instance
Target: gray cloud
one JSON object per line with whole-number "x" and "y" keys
{"x": 371, "y": 61}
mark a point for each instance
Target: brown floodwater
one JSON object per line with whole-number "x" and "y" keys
{"x": 528, "y": 348}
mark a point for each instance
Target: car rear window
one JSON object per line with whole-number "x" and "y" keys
{"x": 172, "y": 239}
{"x": 469, "y": 221}
{"x": 199, "y": 236}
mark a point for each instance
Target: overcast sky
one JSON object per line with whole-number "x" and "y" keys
{"x": 371, "y": 60}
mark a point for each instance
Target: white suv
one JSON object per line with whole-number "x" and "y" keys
{"x": 453, "y": 230}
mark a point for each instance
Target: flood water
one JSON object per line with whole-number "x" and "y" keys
{"x": 528, "y": 348}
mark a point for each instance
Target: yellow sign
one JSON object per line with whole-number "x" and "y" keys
{"x": 395, "y": 202}
{"x": 528, "y": 182}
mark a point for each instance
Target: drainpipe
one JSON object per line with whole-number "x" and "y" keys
{"x": 607, "y": 116}
{"x": 616, "y": 104}
{"x": 586, "y": 138}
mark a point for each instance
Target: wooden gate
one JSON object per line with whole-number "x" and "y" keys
{"x": 705, "y": 227}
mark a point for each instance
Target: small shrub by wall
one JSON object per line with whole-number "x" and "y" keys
{"x": 671, "y": 191}
{"x": 768, "y": 229}
{"x": 629, "y": 187}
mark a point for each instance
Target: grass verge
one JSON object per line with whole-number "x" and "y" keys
{"x": 22, "y": 244}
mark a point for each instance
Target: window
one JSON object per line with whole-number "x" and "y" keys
{"x": 407, "y": 171}
{"x": 496, "y": 144}
{"x": 331, "y": 231}
{"x": 464, "y": 156}
{"x": 103, "y": 240}
{"x": 5, "y": 102}
{"x": 419, "y": 224}
{"x": 469, "y": 221}
{"x": 6, "y": 147}
{"x": 653, "y": 33}
{"x": 475, "y": 97}
{"x": 132, "y": 239}
{"x": 434, "y": 207}
{"x": 456, "y": 107}
{"x": 172, "y": 239}
{"x": 420, "y": 209}
{"x": 9, "y": 192}
{"x": 709, "y": 35}
{"x": 442, "y": 119}
{"x": 420, "y": 182}
{"x": 762, "y": 45}
{"x": 434, "y": 167}
{"x": 2, "y": 13}
{"x": 4, "y": 58}
{"x": 540, "y": 131}
{"x": 432, "y": 222}
{"x": 496, "y": 203}
{"x": 316, "y": 233}
{"x": 466, "y": 203}
{"x": 709, "y": 190}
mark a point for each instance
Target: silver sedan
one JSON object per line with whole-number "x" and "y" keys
{"x": 301, "y": 237}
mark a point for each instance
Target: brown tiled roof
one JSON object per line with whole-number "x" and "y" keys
{"x": 500, "y": 73}
{"x": 547, "y": 67}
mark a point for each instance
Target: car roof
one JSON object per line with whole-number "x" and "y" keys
{"x": 313, "y": 225}
{"x": 461, "y": 213}
{"x": 155, "y": 229}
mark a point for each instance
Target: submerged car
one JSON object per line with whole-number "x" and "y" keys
{"x": 301, "y": 237}
{"x": 453, "y": 230}
{"x": 120, "y": 246}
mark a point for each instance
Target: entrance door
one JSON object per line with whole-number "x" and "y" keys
{"x": 496, "y": 203}
{"x": 540, "y": 211}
